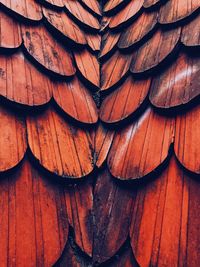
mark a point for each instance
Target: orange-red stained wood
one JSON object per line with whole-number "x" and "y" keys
{"x": 12, "y": 139}
{"x": 112, "y": 208}
{"x": 103, "y": 141}
{"x": 126, "y": 13}
{"x": 81, "y": 14}
{"x": 126, "y": 259}
{"x": 28, "y": 9}
{"x": 109, "y": 40}
{"x": 30, "y": 88}
{"x": 124, "y": 101}
{"x": 114, "y": 70}
{"x": 65, "y": 25}
{"x": 164, "y": 230}
{"x": 79, "y": 202}
{"x": 10, "y": 36}
{"x": 93, "y": 5}
{"x": 176, "y": 10}
{"x": 47, "y": 51}
{"x": 141, "y": 147}
{"x": 94, "y": 41}
{"x": 33, "y": 221}
{"x": 138, "y": 29}
{"x": 88, "y": 66}
{"x": 187, "y": 141}
{"x": 76, "y": 101}
{"x": 178, "y": 84}
{"x": 150, "y": 3}
{"x": 110, "y": 5}
{"x": 191, "y": 33}
{"x": 59, "y": 147}
{"x": 155, "y": 50}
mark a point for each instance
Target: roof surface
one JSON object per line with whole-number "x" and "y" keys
{"x": 99, "y": 133}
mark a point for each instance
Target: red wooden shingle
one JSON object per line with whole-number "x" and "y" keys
{"x": 109, "y": 41}
{"x": 113, "y": 4}
{"x": 191, "y": 33}
{"x": 57, "y": 3}
{"x": 93, "y": 5}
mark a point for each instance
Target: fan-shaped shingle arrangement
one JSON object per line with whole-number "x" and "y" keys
{"x": 99, "y": 140}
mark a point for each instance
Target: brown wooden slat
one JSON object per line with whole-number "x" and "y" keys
{"x": 47, "y": 51}
{"x": 30, "y": 88}
{"x": 109, "y": 41}
{"x": 178, "y": 84}
{"x": 141, "y": 147}
{"x": 126, "y": 13}
{"x": 81, "y": 14}
{"x": 33, "y": 222}
{"x": 103, "y": 141}
{"x": 155, "y": 50}
{"x": 191, "y": 33}
{"x": 176, "y": 10}
{"x": 10, "y": 36}
{"x": 59, "y": 147}
{"x": 76, "y": 101}
{"x": 187, "y": 142}
{"x": 93, "y": 5}
{"x": 165, "y": 223}
{"x": 138, "y": 29}
{"x": 12, "y": 139}
{"x": 28, "y": 9}
{"x": 114, "y": 70}
{"x": 88, "y": 65}
{"x": 124, "y": 101}
{"x": 79, "y": 202}
{"x": 112, "y": 208}
{"x": 65, "y": 25}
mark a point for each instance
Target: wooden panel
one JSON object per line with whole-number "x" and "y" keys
{"x": 81, "y": 14}
{"x": 150, "y": 3}
{"x": 88, "y": 65}
{"x": 12, "y": 139}
{"x": 94, "y": 41}
{"x": 126, "y": 13}
{"x": 155, "y": 50}
{"x": 46, "y": 51}
{"x": 58, "y": 3}
{"x": 113, "y": 5}
{"x": 93, "y": 5}
{"x": 114, "y": 70}
{"x": 109, "y": 41}
{"x": 191, "y": 33}
{"x": 30, "y": 88}
{"x": 112, "y": 207}
{"x": 103, "y": 141}
{"x": 26, "y": 8}
{"x": 138, "y": 29}
{"x": 10, "y": 36}
{"x": 176, "y": 10}
{"x": 76, "y": 101}
{"x": 178, "y": 84}
{"x": 187, "y": 141}
{"x": 124, "y": 101}
{"x": 165, "y": 223}
{"x": 65, "y": 25}
{"x": 141, "y": 147}
{"x": 58, "y": 146}
{"x": 33, "y": 222}
{"x": 79, "y": 201}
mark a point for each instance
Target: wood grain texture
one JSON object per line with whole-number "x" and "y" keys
{"x": 109, "y": 41}
{"x": 10, "y": 36}
{"x": 141, "y": 147}
{"x": 65, "y": 25}
{"x": 12, "y": 139}
{"x": 59, "y": 147}
{"x": 79, "y": 202}
{"x": 138, "y": 29}
{"x": 155, "y": 50}
{"x": 30, "y": 88}
{"x": 27, "y": 9}
{"x": 93, "y": 41}
{"x": 81, "y": 14}
{"x": 187, "y": 143}
{"x": 191, "y": 33}
{"x": 93, "y": 5}
{"x": 125, "y": 100}
{"x": 112, "y": 208}
{"x": 111, "y": 5}
{"x": 164, "y": 229}
{"x": 176, "y": 10}
{"x": 40, "y": 44}
{"x": 34, "y": 226}
{"x": 88, "y": 66}
{"x": 114, "y": 69}
{"x": 76, "y": 101}
{"x": 177, "y": 85}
